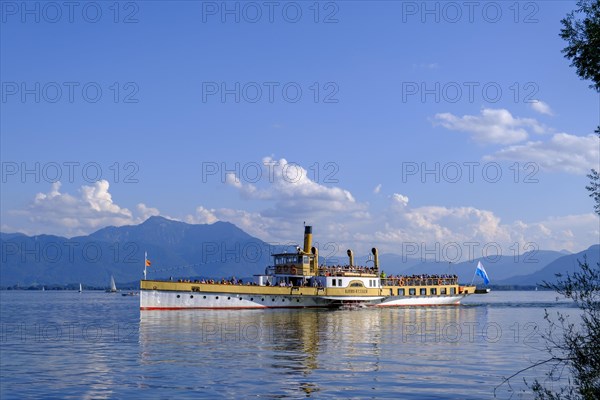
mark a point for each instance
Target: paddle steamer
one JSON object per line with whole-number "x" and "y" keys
{"x": 296, "y": 280}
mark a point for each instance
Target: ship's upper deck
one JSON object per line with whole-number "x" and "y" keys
{"x": 347, "y": 270}
{"x": 419, "y": 280}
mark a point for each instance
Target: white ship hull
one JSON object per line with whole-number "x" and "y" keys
{"x": 399, "y": 301}
{"x": 171, "y": 300}
{"x": 176, "y": 300}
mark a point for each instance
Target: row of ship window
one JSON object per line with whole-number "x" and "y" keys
{"x": 401, "y": 292}
{"x": 423, "y": 291}
{"x": 241, "y": 298}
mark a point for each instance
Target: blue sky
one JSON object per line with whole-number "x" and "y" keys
{"x": 171, "y": 108}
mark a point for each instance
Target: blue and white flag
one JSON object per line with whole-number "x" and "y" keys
{"x": 481, "y": 272}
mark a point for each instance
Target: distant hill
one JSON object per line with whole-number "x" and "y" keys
{"x": 174, "y": 248}
{"x": 568, "y": 263}
{"x": 498, "y": 268}
{"x": 177, "y": 249}
{"x": 397, "y": 264}
{"x": 391, "y": 263}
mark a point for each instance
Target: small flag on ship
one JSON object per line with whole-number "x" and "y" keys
{"x": 146, "y": 263}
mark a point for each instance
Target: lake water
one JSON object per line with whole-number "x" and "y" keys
{"x": 99, "y": 345}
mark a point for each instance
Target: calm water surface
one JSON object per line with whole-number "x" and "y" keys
{"x": 99, "y": 345}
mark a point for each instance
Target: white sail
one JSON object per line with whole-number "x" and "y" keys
{"x": 80, "y": 288}
{"x": 113, "y": 286}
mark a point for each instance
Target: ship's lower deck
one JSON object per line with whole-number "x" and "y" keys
{"x": 160, "y": 295}
{"x": 442, "y": 300}
{"x": 168, "y": 300}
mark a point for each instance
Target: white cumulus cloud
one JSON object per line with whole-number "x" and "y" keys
{"x": 493, "y": 126}
{"x": 398, "y": 199}
{"x": 202, "y": 216}
{"x": 289, "y": 186}
{"x": 69, "y": 215}
{"x": 146, "y": 212}
{"x": 541, "y": 107}
{"x": 563, "y": 152}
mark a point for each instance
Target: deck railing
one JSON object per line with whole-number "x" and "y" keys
{"x": 341, "y": 270}
{"x": 419, "y": 281}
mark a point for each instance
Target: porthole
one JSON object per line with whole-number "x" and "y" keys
{"x": 262, "y": 299}
{"x": 191, "y": 296}
{"x": 297, "y": 300}
{"x": 251, "y": 298}
{"x": 273, "y": 299}
{"x": 217, "y": 297}
{"x": 178, "y": 296}
{"x": 203, "y": 297}
{"x": 228, "y": 298}
{"x": 282, "y": 300}
{"x": 240, "y": 298}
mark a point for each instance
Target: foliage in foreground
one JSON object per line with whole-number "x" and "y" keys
{"x": 574, "y": 347}
{"x": 581, "y": 30}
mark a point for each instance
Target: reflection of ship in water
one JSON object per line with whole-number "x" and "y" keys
{"x": 297, "y": 280}
{"x": 292, "y": 337}
{"x": 297, "y": 343}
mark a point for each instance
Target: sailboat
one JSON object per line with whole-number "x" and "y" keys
{"x": 113, "y": 286}
{"x": 80, "y": 288}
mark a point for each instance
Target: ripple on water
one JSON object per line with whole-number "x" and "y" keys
{"x": 97, "y": 345}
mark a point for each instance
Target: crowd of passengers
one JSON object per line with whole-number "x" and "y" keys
{"x": 391, "y": 280}
{"x": 331, "y": 270}
{"x": 232, "y": 281}
{"x": 418, "y": 280}
{"x": 235, "y": 281}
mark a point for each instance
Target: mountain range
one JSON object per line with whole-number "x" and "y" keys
{"x": 174, "y": 249}
{"x": 177, "y": 249}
